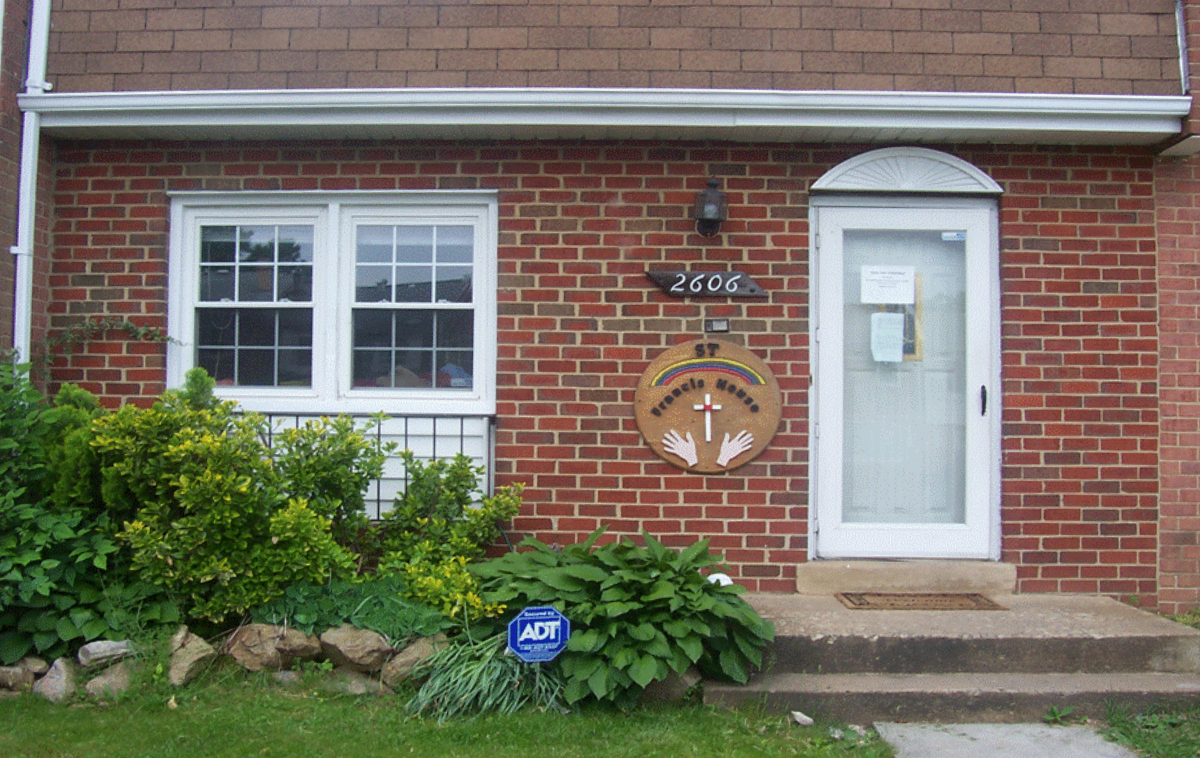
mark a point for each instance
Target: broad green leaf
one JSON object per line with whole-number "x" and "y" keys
{"x": 587, "y": 641}
{"x": 642, "y": 632}
{"x": 660, "y": 591}
{"x": 599, "y": 682}
{"x": 692, "y": 646}
{"x": 734, "y": 666}
{"x": 95, "y": 628}
{"x": 644, "y": 670}
{"x": 66, "y": 630}
{"x": 14, "y": 646}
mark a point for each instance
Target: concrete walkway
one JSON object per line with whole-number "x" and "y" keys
{"x": 998, "y": 741}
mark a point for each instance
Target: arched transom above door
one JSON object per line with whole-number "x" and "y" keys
{"x": 909, "y": 170}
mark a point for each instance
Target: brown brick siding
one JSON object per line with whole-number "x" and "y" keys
{"x": 579, "y": 321}
{"x": 1108, "y": 46}
{"x": 1178, "y": 190}
{"x": 12, "y": 71}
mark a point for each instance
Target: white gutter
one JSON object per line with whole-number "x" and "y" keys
{"x": 615, "y": 113}
{"x": 35, "y": 84}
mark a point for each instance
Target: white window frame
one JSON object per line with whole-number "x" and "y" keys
{"x": 333, "y": 215}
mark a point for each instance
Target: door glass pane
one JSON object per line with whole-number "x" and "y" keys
{"x": 904, "y": 376}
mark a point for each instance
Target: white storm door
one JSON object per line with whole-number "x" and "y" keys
{"x": 906, "y": 427}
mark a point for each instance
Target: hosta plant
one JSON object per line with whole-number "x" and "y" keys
{"x": 637, "y": 612}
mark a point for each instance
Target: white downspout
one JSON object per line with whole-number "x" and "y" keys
{"x": 31, "y": 134}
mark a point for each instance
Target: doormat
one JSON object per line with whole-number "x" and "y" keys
{"x": 918, "y": 601}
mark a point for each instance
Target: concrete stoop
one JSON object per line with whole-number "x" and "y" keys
{"x": 1011, "y": 665}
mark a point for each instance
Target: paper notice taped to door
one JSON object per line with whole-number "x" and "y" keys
{"x": 887, "y": 337}
{"x": 888, "y": 285}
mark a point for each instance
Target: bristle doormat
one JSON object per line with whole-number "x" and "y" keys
{"x": 918, "y": 601}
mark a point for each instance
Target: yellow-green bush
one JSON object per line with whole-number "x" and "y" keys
{"x": 204, "y": 506}
{"x": 440, "y": 523}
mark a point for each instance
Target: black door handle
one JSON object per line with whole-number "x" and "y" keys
{"x": 983, "y": 400}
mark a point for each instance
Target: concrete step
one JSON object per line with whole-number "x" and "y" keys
{"x": 953, "y": 698}
{"x": 959, "y": 666}
{"x": 1034, "y": 634}
{"x": 828, "y": 577}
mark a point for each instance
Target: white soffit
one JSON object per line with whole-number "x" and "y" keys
{"x": 739, "y": 115}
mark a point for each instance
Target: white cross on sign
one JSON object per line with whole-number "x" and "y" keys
{"x": 708, "y": 409}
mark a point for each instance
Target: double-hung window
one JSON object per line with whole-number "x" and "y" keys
{"x": 337, "y": 302}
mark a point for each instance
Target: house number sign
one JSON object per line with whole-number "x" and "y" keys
{"x": 708, "y": 406}
{"x": 706, "y": 284}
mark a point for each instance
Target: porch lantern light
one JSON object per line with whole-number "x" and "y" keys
{"x": 710, "y": 209}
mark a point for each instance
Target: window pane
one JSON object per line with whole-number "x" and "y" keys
{"x": 373, "y": 284}
{"x": 256, "y": 284}
{"x": 217, "y": 244}
{"x": 256, "y": 243}
{"x": 295, "y": 328}
{"x": 374, "y": 244}
{"x": 455, "y": 328}
{"x": 372, "y": 329}
{"x": 455, "y": 244}
{"x": 413, "y": 284}
{"x": 256, "y": 368}
{"x": 220, "y": 364}
{"x": 295, "y": 283}
{"x": 216, "y": 327}
{"x": 216, "y": 283}
{"x": 456, "y": 369}
{"x": 414, "y": 244}
{"x": 295, "y": 244}
{"x": 454, "y": 284}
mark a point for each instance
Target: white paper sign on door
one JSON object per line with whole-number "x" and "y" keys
{"x": 888, "y": 285}
{"x": 887, "y": 337}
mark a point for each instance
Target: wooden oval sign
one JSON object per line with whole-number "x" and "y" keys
{"x": 708, "y": 406}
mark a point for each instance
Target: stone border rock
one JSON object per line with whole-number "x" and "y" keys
{"x": 362, "y": 661}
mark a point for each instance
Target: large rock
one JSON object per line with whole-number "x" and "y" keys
{"x": 266, "y": 647}
{"x": 354, "y": 648}
{"x": 59, "y": 682}
{"x": 103, "y": 653}
{"x": 400, "y": 667}
{"x": 189, "y": 656}
{"x": 16, "y": 678}
{"x": 34, "y": 664}
{"x": 347, "y": 681}
{"x": 111, "y": 682}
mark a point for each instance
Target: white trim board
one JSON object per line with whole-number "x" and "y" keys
{"x": 557, "y": 113}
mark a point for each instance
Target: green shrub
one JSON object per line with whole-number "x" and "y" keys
{"x": 637, "y": 613}
{"x": 376, "y": 603}
{"x": 205, "y": 508}
{"x": 440, "y": 523}
{"x": 62, "y": 581}
{"x": 330, "y": 463}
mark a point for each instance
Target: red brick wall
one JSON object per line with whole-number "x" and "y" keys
{"x": 1106, "y": 46}
{"x": 1080, "y": 371}
{"x": 579, "y": 321}
{"x": 12, "y": 69}
{"x": 1178, "y": 200}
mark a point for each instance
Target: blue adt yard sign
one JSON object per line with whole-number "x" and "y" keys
{"x": 538, "y": 634}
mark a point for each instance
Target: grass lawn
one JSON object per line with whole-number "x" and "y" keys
{"x": 1166, "y": 732}
{"x": 249, "y": 716}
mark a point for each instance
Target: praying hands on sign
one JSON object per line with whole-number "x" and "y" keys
{"x": 684, "y": 448}
{"x": 732, "y": 448}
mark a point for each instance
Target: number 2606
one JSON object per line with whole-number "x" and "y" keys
{"x": 718, "y": 283}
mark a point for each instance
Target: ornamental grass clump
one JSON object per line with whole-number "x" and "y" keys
{"x": 469, "y": 678}
{"x": 637, "y": 612}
